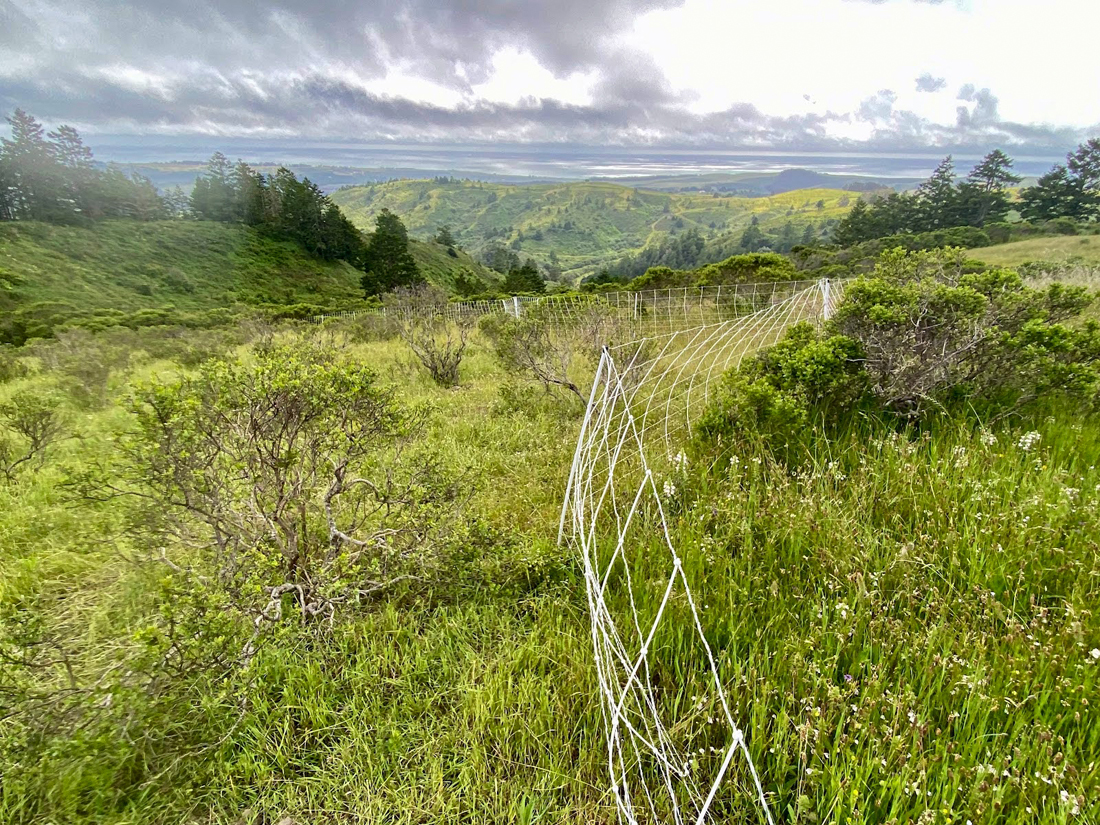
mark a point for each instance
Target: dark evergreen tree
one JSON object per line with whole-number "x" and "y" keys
{"x": 177, "y": 204}
{"x": 387, "y": 261}
{"x": 38, "y": 190}
{"x": 444, "y": 237}
{"x": 984, "y": 195}
{"x": 214, "y": 197}
{"x": 938, "y": 204}
{"x": 525, "y": 278}
{"x": 787, "y": 238}
{"x": 1057, "y": 194}
{"x": 854, "y": 227}
{"x": 752, "y": 238}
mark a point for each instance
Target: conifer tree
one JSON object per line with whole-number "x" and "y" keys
{"x": 387, "y": 261}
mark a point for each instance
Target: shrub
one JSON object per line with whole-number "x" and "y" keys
{"x": 11, "y": 365}
{"x": 30, "y": 424}
{"x": 291, "y": 485}
{"x": 933, "y": 334}
{"x": 552, "y": 350}
{"x": 1062, "y": 226}
{"x": 437, "y": 341}
{"x": 758, "y": 267}
{"x": 776, "y": 397}
{"x": 921, "y": 335}
{"x": 83, "y": 362}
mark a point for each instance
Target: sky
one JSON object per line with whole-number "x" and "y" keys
{"x": 788, "y": 75}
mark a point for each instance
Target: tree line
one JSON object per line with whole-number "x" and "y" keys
{"x": 53, "y": 177}
{"x": 281, "y": 205}
{"x": 1070, "y": 190}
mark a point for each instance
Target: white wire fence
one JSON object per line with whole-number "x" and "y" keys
{"x": 647, "y": 311}
{"x": 670, "y": 758}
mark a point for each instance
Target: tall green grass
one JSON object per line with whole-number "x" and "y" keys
{"x": 904, "y": 626}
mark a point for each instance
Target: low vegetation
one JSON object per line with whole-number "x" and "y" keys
{"x": 278, "y": 571}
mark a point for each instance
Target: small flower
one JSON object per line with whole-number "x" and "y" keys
{"x": 1095, "y": 653}
{"x": 1028, "y": 440}
{"x": 669, "y": 489}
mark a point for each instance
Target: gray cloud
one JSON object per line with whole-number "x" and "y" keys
{"x": 878, "y": 107}
{"x": 297, "y": 68}
{"x": 927, "y": 83}
{"x": 982, "y": 113}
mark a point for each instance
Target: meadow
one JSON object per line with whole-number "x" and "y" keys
{"x": 1061, "y": 248}
{"x": 905, "y": 623}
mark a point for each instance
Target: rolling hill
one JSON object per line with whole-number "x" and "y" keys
{"x": 584, "y": 225}
{"x": 187, "y": 265}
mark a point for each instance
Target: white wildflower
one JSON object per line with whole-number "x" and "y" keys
{"x": 669, "y": 489}
{"x": 1095, "y": 653}
{"x": 1028, "y": 440}
{"x": 680, "y": 461}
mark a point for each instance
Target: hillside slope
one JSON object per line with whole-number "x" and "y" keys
{"x": 1085, "y": 248}
{"x": 188, "y": 265}
{"x": 586, "y": 225}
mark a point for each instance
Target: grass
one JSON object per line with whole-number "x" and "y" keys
{"x": 189, "y": 265}
{"x": 1060, "y": 248}
{"x": 903, "y": 626}
{"x": 587, "y": 225}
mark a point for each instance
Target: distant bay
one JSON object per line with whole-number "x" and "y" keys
{"x": 542, "y": 162}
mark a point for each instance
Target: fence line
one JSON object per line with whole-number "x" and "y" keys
{"x": 674, "y": 305}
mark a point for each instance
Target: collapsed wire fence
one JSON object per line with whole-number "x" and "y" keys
{"x": 670, "y": 733}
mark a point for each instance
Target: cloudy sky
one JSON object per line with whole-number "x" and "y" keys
{"x": 813, "y": 75}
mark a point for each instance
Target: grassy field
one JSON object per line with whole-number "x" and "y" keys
{"x": 587, "y": 225}
{"x": 904, "y": 629}
{"x": 1058, "y": 248}
{"x": 190, "y": 265}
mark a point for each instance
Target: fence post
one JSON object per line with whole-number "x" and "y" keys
{"x": 515, "y": 305}
{"x": 826, "y": 300}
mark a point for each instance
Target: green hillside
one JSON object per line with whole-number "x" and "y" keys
{"x": 188, "y": 265}
{"x": 1051, "y": 248}
{"x": 587, "y": 225}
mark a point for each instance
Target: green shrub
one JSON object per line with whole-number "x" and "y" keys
{"x": 775, "y": 398}
{"x": 1062, "y": 226}
{"x": 921, "y": 336}
{"x": 757, "y": 267}
{"x": 294, "y": 483}
{"x": 11, "y": 365}
{"x": 30, "y": 424}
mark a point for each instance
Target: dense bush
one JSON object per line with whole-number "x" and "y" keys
{"x": 921, "y": 335}
{"x": 558, "y": 354}
{"x": 11, "y": 365}
{"x": 756, "y": 267}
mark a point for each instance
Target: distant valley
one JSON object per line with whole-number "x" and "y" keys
{"x": 583, "y": 227}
